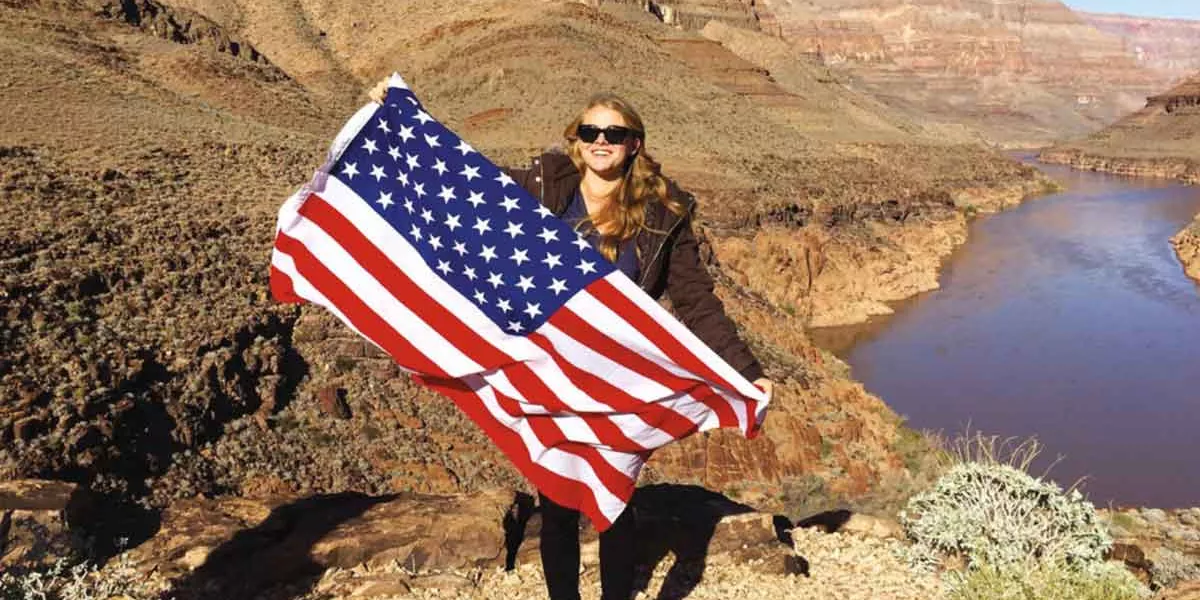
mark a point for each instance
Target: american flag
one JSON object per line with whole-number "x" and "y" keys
{"x": 423, "y": 246}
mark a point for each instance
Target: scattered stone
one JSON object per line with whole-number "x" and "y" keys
{"x": 1186, "y": 591}
{"x": 445, "y": 582}
{"x": 240, "y": 546}
{"x": 1190, "y": 517}
{"x": 870, "y": 526}
{"x": 1155, "y": 516}
{"x": 1134, "y": 559}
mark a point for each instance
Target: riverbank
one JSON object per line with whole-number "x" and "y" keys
{"x": 1162, "y": 140}
{"x": 1182, "y": 168}
{"x": 846, "y": 274}
{"x": 1187, "y": 247}
{"x": 1187, "y": 242}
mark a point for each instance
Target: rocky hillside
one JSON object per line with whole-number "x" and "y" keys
{"x": 1161, "y": 140}
{"x": 1025, "y": 72}
{"x": 147, "y": 146}
{"x": 1168, "y": 45}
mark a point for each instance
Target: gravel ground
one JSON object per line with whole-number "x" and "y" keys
{"x": 841, "y": 566}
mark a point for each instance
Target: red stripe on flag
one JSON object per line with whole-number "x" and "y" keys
{"x": 651, "y": 413}
{"x": 752, "y": 425}
{"x": 401, "y": 287}
{"x": 282, "y": 288}
{"x": 575, "y": 326}
{"x": 535, "y": 390}
{"x": 562, "y": 490}
{"x": 668, "y": 343}
{"x": 356, "y": 311}
{"x": 551, "y": 436}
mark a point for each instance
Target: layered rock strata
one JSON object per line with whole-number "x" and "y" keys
{"x": 1017, "y": 71}
{"x": 1171, "y": 46}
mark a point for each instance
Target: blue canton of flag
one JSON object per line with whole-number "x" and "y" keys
{"x": 469, "y": 220}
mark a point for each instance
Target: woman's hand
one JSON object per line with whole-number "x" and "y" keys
{"x": 766, "y": 385}
{"x": 379, "y": 92}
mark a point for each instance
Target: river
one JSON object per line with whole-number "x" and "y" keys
{"x": 1069, "y": 319}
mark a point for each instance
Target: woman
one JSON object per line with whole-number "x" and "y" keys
{"x": 610, "y": 189}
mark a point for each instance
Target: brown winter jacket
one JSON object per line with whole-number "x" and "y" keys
{"x": 667, "y": 262}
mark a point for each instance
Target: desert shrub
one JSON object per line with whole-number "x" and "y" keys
{"x": 81, "y": 581}
{"x": 1046, "y": 581}
{"x": 996, "y": 514}
{"x": 1169, "y": 567}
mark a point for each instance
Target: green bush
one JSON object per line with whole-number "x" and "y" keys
{"x": 995, "y": 514}
{"x": 1046, "y": 581}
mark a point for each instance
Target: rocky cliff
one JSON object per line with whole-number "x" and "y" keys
{"x": 143, "y": 357}
{"x": 1019, "y": 71}
{"x": 1171, "y": 46}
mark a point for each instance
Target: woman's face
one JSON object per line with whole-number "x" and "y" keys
{"x": 602, "y": 156}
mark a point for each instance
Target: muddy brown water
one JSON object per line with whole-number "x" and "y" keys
{"x": 1069, "y": 319}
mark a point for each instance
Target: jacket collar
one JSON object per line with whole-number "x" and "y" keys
{"x": 561, "y": 178}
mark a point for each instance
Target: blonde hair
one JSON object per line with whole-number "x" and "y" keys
{"x": 643, "y": 181}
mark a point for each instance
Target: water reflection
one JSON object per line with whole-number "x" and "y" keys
{"x": 1068, "y": 318}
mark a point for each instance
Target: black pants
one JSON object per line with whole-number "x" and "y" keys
{"x": 560, "y": 553}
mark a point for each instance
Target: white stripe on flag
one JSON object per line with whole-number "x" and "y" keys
{"x": 616, "y": 327}
{"x": 572, "y": 426}
{"x": 304, "y": 289}
{"x": 426, "y": 339}
{"x": 680, "y": 332}
{"x": 393, "y": 245}
{"x": 641, "y": 388}
{"x": 562, "y": 463}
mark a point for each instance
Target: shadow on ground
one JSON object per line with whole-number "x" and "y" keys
{"x": 275, "y": 552}
{"x": 677, "y": 523}
{"x": 683, "y": 524}
{"x": 680, "y": 521}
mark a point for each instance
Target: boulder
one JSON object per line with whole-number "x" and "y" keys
{"x": 238, "y": 547}
{"x": 39, "y": 521}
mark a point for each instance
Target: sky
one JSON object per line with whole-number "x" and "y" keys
{"x": 1186, "y": 9}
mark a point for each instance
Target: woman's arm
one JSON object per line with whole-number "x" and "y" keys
{"x": 690, "y": 288}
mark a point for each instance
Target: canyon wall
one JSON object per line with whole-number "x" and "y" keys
{"x": 1020, "y": 72}
{"x": 1171, "y": 46}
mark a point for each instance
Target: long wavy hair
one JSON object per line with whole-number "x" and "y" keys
{"x": 625, "y": 214}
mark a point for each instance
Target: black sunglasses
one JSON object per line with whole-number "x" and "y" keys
{"x": 615, "y": 134}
